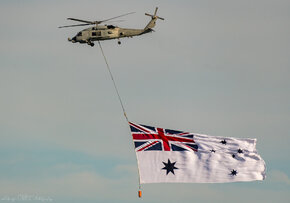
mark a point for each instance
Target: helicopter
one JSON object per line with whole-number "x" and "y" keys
{"x": 108, "y": 32}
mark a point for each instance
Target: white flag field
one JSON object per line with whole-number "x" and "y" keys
{"x": 165, "y": 155}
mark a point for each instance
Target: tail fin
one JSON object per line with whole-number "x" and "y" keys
{"x": 152, "y": 22}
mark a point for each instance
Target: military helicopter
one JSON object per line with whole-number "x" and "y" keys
{"x": 108, "y": 32}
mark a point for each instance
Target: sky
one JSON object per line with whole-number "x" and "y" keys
{"x": 215, "y": 67}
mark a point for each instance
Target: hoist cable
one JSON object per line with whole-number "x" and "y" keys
{"x": 116, "y": 89}
{"x": 120, "y": 100}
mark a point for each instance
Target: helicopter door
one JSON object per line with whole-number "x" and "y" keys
{"x": 106, "y": 33}
{"x": 96, "y": 34}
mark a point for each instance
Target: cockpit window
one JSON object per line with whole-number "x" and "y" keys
{"x": 79, "y": 34}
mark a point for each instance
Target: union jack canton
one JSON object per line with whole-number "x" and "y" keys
{"x": 147, "y": 138}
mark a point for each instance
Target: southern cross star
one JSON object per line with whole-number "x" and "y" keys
{"x": 169, "y": 167}
{"x": 234, "y": 172}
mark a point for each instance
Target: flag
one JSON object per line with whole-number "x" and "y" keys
{"x": 165, "y": 155}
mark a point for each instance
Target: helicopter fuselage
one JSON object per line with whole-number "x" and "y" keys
{"x": 106, "y": 32}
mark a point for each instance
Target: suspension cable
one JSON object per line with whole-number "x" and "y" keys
{"x": 120, "y": 100}
{"x": 116, "y": 89}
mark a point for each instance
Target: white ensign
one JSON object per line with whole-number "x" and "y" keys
{"x": 165, "y": 155}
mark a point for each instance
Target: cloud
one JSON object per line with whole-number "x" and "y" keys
{"x": 85, "y": 184}
{"x": 279, "y": 177}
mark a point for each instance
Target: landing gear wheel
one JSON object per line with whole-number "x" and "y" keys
{"x": 119, "y": 42}
{"x": 92, "y": 44}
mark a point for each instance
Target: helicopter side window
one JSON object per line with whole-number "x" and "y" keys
{"x": 109, "y": 32}
{"x": 96, "y": 34}
{"x": 79, "y": 34}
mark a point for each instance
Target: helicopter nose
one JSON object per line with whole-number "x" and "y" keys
{"x": 73, "y": 40}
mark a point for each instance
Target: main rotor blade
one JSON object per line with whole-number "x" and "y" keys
{"x": 83, "y": 21}
{"x": 115, "y": 21}
{"x": 147, "y": 14}
{"x": 155, "y": 11}
{"x": 93, "y": 22}
{"x": 74, "y": 25}
{"x": 116, "y": 17}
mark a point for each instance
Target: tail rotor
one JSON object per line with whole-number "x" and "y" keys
{"x": 154, "y": 16}
{"x": 152, "y": 22}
